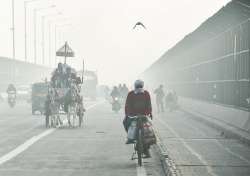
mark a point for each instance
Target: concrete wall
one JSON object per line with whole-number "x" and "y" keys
{"x": 20, "y": 73}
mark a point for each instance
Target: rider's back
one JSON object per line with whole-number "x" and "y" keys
{"x": 138, "y": 103}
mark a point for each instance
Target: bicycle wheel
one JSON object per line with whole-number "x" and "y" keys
{"x": 139, "y": 147}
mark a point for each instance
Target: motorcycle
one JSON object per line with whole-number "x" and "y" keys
{"x": 12, "y": 99}
{"x": 116, "y": 106}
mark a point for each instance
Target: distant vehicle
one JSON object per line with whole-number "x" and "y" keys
{"x": 12, "y": 99}
{"x": 89, "y": 85}
{"x": 38, "y": 97}
{"x": 116, "y": 105}
{"x": 23, "y": 92}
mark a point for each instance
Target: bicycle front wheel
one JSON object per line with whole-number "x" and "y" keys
{"x": 139, "y": 147}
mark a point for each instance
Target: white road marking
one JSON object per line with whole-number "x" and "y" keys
{"x": 222, "y": 146}
{"x": 24, "y": 146}
{"x": 21, "y": 148}
{"x": 140, "y": 170}
{"x": 209, "y": 169}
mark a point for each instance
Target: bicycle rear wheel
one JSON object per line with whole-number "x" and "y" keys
{"x": 139, "y": 147}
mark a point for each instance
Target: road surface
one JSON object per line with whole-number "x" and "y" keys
{"x": 28, "y": 148}
{"x": 98, "y": 148}
{"x": 199, "y": 150}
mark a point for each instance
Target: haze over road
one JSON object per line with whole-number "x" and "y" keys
{"x": 98, "y": 148}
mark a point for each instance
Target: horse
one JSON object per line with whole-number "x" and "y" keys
{"x": 72, "y": 104}
{"x": 53, "y": 108}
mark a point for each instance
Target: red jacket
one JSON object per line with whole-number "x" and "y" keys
{"x": 138, "y": 104}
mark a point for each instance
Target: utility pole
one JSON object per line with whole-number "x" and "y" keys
{"x": 43, "y": 41}
{"x": 25, "y": 30}
{"x": 34, "y": 20}
{"x": 50, "y": 45}
{"x": 35, "y": 35}
{"x": 43, "y": 34}
{"x": 13, "y": 30}
{"x": 12, "y": 67}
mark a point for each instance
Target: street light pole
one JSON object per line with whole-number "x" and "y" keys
{"x": 50, "y": 43}
{"x": 55, "y": 44}
{"x": 13, "y": 30}
{"x": 25, "y": 28}
{"x": 43, "y": 33}
{"x": 12, "y": 66}
{"x": 34, "y": 20}
{"x": 50, "y": 23}
{"x": 35, "y": 35}
{"x": 43, "y": 49}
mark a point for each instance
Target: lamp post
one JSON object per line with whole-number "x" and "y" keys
{"x": 12, "y": 66}
{"x": 43, "y": 33}
{"x": 25, "y": 27}
{"x": 13, "y": 30}
{"x": 50, "y": 23}
{"x": 35, "y": 41}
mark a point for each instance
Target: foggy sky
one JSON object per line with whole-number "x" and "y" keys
{"x": 101, "y": 31}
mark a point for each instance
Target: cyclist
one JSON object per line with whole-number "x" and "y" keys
{"x": 138, "y": 102}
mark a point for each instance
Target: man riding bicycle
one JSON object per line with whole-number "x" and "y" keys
{"x": 138, "y": 102}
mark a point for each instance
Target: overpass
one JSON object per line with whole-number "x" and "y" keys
{"x": 211, "y": 66}
{"x": 20, "y": 73}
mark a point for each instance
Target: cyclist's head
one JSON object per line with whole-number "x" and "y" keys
{"x": 139, "y": 84}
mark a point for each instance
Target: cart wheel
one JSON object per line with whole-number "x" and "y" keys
{"x": 80, "y": 120}
{"x": 47, "y": 121}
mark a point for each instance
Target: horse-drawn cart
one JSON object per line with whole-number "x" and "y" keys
{"x": 64, "y": 98}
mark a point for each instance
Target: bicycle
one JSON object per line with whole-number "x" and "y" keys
{"x": 138, "y": 145}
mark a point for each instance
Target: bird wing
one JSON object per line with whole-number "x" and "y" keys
{"x": 135, "y": 26}
{"x": 139, "y": 23}
{"x": 143, "y": 26}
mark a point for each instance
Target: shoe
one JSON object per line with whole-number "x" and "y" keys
{"x": 130, "y": 141}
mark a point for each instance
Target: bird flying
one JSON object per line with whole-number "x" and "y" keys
{"x": 139, "y": 24}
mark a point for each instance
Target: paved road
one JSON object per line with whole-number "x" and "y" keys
{"x": 200, "y": 150}
{"x": 96, "y": 149}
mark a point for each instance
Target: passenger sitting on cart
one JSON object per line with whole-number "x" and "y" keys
{"x": 71, "y": 77}
{"x": 58, "y": 76}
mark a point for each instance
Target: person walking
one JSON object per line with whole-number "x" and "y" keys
{"x": 159, "y": 93}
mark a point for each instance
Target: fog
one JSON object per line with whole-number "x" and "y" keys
{"x": 188, "y": 114}
{"x": 100, "y": 32}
